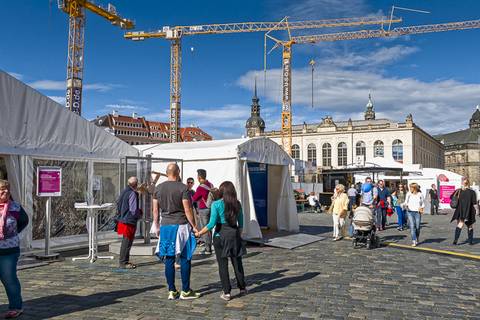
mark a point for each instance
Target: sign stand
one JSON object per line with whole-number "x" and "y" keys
{"x": 49, "y": 184}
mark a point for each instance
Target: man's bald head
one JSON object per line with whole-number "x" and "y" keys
{"x": 133, "y": 182}
{"x": 173, "y": 170}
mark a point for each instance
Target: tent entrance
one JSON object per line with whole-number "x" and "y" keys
{"x": 141, "y": 167}
{"x": 258, "y": 173}
{"x": 3, "y": 168}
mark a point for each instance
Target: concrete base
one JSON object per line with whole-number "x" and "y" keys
{"x": 138, "y": 248}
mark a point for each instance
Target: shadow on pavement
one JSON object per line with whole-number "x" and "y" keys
{"x": 66, "y": 303}
{"x": 315, "y": 230}
{"x": 394, "y": 237}
{"x": 434, "y": 240}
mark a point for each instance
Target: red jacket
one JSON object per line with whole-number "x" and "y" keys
{"x": 201, "y": 195}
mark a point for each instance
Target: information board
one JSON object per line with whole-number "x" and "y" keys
{"x": 49, "y": 181}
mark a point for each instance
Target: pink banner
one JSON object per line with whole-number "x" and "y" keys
{"x": 445, "y": 193}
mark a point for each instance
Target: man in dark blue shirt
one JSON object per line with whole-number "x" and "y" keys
{"x": 383, "y": 201}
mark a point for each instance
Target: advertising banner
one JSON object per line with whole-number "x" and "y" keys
{"x": 445, "y": 192}
{"x": 49, "y": 181}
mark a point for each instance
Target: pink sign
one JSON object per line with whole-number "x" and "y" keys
{"x": 49, "y": 181}
{"x": 445, "y": 193}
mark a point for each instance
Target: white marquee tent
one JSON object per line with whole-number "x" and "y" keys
{"x": 36, "y": 129}
{"x": 230, "y": 160}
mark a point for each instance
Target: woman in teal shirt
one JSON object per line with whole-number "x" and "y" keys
{"x": 226, "y": 217}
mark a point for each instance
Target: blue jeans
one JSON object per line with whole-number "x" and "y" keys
{"x": 185, "y": 270}
{"x": 414, "y": 220}
{"x": 8, "y": 276}
{"x": 400, "y": 216}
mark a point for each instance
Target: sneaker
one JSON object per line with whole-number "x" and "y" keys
{"x": 414, "y": 243}
{"x": 243, "y": 292}
{"x": 12, "y": 314}
{"x": 189, "y": 295}
{"x": 225, "y": 296}
{"x": 173, "y": 295}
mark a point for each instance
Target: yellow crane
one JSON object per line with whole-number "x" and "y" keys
{"x": 76, "y": 44}
{"x": 286, "y": 130}
{"x": 175, "y": 34}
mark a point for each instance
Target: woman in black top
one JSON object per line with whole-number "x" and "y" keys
{"x": 465, "y": 211}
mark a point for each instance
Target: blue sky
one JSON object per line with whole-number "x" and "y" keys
{"x": 432, "y": 76}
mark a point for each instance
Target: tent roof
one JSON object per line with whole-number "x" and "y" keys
{"x": 262, "y": 150}
{"x": 33, "y": 124}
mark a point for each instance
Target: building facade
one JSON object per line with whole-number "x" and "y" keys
{"x": 337, "y": 144}
{"x": 462, "y": 149}
{"x": 137, "y": 130}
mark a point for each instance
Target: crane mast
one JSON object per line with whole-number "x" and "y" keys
{"x": 175, "y": 34}
{"x": 76, "y": 44}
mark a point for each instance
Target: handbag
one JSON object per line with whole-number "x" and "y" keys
{"x": 454, "y": 200}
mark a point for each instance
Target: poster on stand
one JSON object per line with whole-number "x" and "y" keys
{"x": 49, "y": 181}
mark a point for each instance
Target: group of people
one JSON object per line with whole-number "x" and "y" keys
{"x": 182, "y": 219}
{"x": 409, "y": 205}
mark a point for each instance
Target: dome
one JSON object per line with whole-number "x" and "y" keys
{"x": 255, "y": 122}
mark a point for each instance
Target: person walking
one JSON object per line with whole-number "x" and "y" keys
{"x": 13, "y": 219}
{"x": 339, "y": 211}
{"x": 128, "y": 213}
{"x": 434, "y": 201}
{"x": 465, "y": 211}
{"x": 352, "y": 198}
{"x": 175, "y": 231}
{"x": 227, "y": 219}
{"x": 415, "y": 205}
{"x": 383, "y": 202}
{"x": 201, "y": 198}
{"x": 400, "y": 194}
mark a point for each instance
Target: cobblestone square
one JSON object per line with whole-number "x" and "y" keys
{"x": 323, "y": 280}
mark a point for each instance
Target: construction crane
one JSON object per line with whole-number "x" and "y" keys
{"x": 175, "y": 34}
{"x": 76, "y": 44}
{"x": 286, "y": 130}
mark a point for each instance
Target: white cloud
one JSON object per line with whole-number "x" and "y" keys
{"x": 15, "y": 75}
{"x": 124, "y": 107}
{"x": 61, "y": 85}
{"x": 437, "y": 106}
{"x": 58, "y": 99}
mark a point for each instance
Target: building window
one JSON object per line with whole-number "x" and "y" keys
{"x": 397, "y": 150}
{"x": 326, "y": 155}
{"x": 312, "y": 154}
{"x": 296, "y": 152}
{"x": 360, "y": 149}
{"x": 378, "y": 149}
{"x": 342, "y": 154}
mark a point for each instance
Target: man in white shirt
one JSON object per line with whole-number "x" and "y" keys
{"x": 313, "y": 201}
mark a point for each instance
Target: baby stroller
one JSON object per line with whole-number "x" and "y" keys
{"x": 364, "y": 228}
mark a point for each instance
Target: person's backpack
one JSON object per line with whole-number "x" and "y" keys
{"x": 213, "y": 195}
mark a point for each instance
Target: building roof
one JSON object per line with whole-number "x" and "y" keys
{"x": 470, "y": 135}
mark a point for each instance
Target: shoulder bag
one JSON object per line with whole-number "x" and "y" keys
{"x": 454, "y": 199}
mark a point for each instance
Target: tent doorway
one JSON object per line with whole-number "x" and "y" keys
{"x": 258, "y": 173}
{"x": 3, "y": 168}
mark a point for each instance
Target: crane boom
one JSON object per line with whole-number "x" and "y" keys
{"x": 401, "y": 31}
{"x": 175, "y": 34}
{"x": 179, "y": 31}
{"x": 76, "y": 44}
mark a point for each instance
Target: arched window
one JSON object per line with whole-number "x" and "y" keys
{"x": 342, "y": 154}
{"x": 296, "y": 152}
{"x": 378, "y": 149}
{"x": 312, "y": 154}
{"x": 360, "y": 149}
{"x": 326, "y": 155}
{"x": 397, "y": 150}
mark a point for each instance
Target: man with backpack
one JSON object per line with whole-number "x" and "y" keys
{"x": 203, "y": 197}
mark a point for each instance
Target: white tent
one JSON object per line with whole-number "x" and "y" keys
{"x": 231, "y": 160}
{"x": 36, "y": 129}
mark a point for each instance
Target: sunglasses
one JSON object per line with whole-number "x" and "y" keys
{"x": 190, "y": 182}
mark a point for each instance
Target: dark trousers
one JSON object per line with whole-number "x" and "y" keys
{"x": 351, "y": 202}
{"x": 8, "y": 276}
{"x": 223, "y": 268}
{"x": 125, "y": 251}
{"x": 434, "y": 207}
{"x": 381, "y": 217}
{"x": 185, "y": 271}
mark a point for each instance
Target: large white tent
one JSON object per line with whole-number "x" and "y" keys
{"x": 231, "y": 160}
{"x": 37, "y": 130}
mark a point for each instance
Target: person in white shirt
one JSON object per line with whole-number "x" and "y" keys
{"x": 313, "y": 201}
{"x": 415, "y": 204}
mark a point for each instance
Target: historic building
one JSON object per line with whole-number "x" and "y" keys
{"x": 336, "y": 144}
{"x": 255, "y": 125}
{"x": 462, "y": 149}
{"x": 137, "y": 130}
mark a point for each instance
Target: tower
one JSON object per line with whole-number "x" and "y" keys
{"x": 370, "y": 110}
{"x": 255, "y": 125}
{"x": 475, "y": 120}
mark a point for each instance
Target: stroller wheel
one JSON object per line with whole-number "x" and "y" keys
{"x": 369, "y": 243}
{"x": 354, "y": 243}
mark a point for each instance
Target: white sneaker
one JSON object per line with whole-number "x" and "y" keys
{"x": 173, "y": 295}
{"x": 414, "y": 243}
{"x": 225, "y": 296}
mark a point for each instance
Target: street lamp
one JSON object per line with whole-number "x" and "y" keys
{"x": 312, "y": 64}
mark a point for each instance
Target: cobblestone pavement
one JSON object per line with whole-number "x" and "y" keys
{"x": 323, "y": 280}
